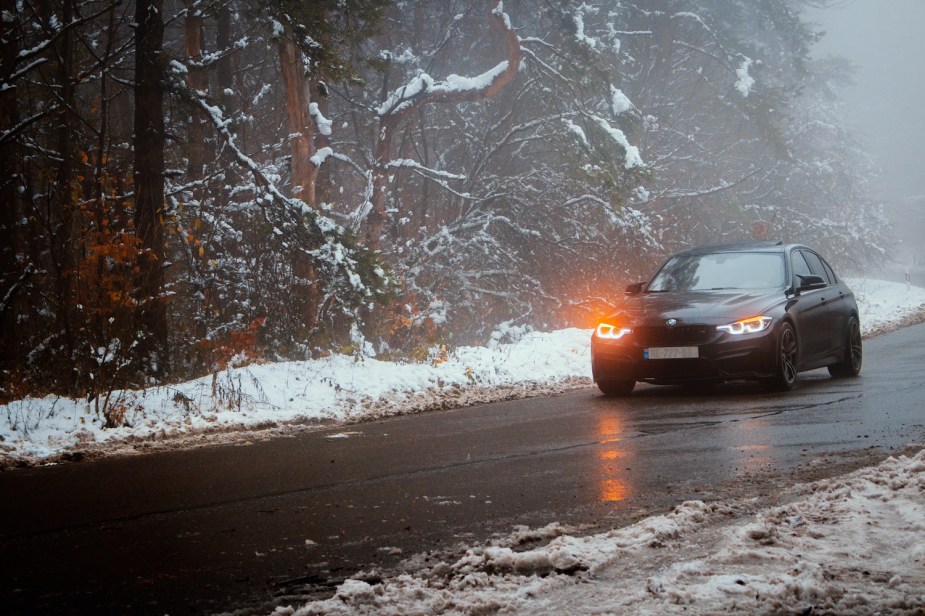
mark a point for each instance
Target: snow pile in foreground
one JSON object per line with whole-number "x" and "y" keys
{"x": 854, "y": 544}
{"x": 340, "y": 389}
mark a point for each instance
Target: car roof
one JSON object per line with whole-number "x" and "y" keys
{"x": 752, "y": 246}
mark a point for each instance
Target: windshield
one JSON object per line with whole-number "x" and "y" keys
{"x": 726, "y": 270}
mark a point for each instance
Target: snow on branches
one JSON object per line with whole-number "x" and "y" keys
{"x": 423, "y": 89}
{"x": 350, "y": 273}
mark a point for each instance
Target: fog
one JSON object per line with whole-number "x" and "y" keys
{"x": 885, "y": 43}
{"x": 884, "y": 40}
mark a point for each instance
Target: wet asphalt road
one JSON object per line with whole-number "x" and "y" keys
{"x": 254, "y": 525}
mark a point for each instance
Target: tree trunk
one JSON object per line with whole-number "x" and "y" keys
{"x": 663, "y": 41}
{"x": 62, "y": 209}
{"x": 225, "y": 77}
{"x": 318, "y": 93}
{"x": 301, "y": 125}
{"x": 192, "y": 39}
{"x": 306, "y": 292}
{"x": 149, "y": 185}
{"x": 12, "y": 273}
{"x": 381, "y": 157}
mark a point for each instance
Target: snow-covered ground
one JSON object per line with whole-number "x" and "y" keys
{"x": 267, "y": 398}
{"x": 849, "y": 545}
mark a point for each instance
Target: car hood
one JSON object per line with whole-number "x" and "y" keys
{"x": 689, "y": 307}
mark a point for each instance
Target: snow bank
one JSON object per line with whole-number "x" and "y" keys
{"x": 883, "y": 304}
{"x": 334, "y": 389}
{"x": 854, "y": 544}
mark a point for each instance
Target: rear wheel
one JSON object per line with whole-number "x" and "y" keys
{"x": 854, "y": 353}
{"x": 616, "y": 388}
{"x": 785, "y": 371}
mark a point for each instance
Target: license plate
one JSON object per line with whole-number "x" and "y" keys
{"x": 671, "y": 353}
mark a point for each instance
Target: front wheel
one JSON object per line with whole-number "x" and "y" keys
{"x": 785, "y": 371}
{"x": 617, "y": 389}
{"x": 854, "y": 353}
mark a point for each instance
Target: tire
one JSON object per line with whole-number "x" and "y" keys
{"x": 854, "y": 353}
{"x": 785, "y": 369}
{"x": 616, "y": 389}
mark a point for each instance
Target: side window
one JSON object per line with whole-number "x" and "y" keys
{"x": 800, "y": 267}
{"x": 815, "y": 265}
{"x": 828, "y": 270}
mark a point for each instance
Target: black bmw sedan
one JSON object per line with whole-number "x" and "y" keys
{"x": 751, "y": 311}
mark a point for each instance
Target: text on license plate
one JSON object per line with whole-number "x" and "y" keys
{"x": 691, "y": 352}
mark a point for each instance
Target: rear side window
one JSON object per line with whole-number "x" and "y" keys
{"x": 815, "y": 265}
{"x": 828, "y": 270}
{"x": 800, "y": 267}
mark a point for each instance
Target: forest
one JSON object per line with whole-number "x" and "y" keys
{"x": 193, "y": 184}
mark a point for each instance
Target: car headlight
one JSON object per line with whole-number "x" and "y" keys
{"x": 751, "y": 325}
{"x": 612, "y": 332}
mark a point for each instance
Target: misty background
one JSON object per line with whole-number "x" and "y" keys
{"x": 884, "y": 41}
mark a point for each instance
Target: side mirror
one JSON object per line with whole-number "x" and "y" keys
{"x": 808, "y": 283}
{"x": 634, "y": 289}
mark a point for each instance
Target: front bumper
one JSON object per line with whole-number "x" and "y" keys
{"x": 722, "y": 356}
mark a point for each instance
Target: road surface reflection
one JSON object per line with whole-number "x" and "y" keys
{"x": 612, "y": 483}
